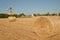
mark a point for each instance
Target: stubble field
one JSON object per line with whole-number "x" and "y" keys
{"x": 36, "y": 28}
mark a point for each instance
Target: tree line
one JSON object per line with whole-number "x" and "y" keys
{"x": 4, "y": 15}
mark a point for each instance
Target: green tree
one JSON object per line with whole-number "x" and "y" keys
{"x": 53, "y": 14}
{"x": 59, "y": 14}
{"x": 3, "y": 15}
{"x": 21, "y": 15}
{"x": 35, "y": 14}
{"x": 47, "y": 14}
{"x": 38, "y": 14}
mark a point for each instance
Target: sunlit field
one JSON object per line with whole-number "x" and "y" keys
{"x": 35, "y": 28}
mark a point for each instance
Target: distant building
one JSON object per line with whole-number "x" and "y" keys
{"x": 33, "y": 15}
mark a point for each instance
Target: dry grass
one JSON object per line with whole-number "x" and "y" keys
{"x": 39, "y": 28}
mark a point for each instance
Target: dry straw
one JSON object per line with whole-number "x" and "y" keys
{"x": 43, "y": 27}
{"x": 11, "y": 19}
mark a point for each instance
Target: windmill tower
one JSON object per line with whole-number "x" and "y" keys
{"x": 10, "y": 11}
{"x": 11, "y": 15}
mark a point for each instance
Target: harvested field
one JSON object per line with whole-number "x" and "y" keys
{"x": 37, "y": 28}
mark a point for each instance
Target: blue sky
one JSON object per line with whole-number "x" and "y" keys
{"x": 31, "y": 6}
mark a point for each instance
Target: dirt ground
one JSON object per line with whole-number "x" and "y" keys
{"x": 36, "y": 28}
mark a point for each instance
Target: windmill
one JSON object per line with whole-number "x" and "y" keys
{"x": 11, "y": 15}
{"x": 10, "y": 11}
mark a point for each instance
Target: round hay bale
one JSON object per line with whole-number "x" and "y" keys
{"x": 44, "y": 27}
{"x": 12, "y": 18}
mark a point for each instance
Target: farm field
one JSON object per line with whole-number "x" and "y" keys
{"x": 36, "y": 28}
